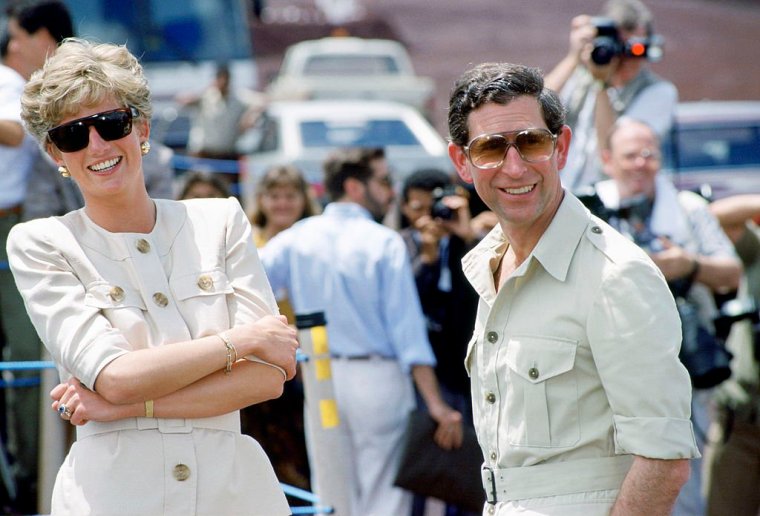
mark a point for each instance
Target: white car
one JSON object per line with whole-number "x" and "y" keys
{"x": 303, "y": 133}
{"x": 351, "y": 68}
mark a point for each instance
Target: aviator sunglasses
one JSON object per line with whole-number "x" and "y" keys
{"x": 490, "y": 150}
{"x": 111, "y": 125}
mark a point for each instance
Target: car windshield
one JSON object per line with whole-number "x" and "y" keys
{"x": 714, "y": 147}
{"x": 337, "y": 64}
{"x": 370, "y": 133}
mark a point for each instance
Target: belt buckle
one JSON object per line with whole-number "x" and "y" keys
{"x": 489, "y": 484}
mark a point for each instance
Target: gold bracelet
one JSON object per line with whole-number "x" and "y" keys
{"x": 149, "y": 408}
{"x": 231, "y": 352}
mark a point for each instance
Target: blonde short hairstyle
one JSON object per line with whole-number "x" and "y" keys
{"x": 81, "y": 73}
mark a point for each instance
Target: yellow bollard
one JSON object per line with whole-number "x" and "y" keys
{"x": 325, "y": 435}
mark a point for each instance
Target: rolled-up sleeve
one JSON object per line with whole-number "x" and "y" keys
{"x": 635, "y": 336}
{"x": 253, "y": 295}
{"x": 72, "y": 328}
{"x": 402, "y": 310}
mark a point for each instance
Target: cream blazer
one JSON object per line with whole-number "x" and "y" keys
{"x": 95, "y": 295}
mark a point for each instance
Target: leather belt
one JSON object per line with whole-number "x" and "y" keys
{"x": 229, "y": 422}
{"x": 556, "y": 478}
{"x": 360, "y": 357}
{"x": 12, "y": 210}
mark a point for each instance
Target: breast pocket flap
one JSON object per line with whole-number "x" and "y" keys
{"x": 537, "y": 359}
{"x": 106, "y": 295}
{"x": 202, "y": 283}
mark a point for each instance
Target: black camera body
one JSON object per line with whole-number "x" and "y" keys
{"x": 608, "y": 44}
{"x": 439, "y": 210}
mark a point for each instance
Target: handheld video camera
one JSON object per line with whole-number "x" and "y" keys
{"x": 608, "y": 44}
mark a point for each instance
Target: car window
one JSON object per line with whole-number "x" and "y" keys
{"x": 371, "y": 133}
{"x": 337, "y": 64}
{"x": 716, "y": 146}
{"x": 269, "y": 139}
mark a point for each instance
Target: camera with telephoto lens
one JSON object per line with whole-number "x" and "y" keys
{"x": 439, "y": 210}
{"x": 608, "y": 44}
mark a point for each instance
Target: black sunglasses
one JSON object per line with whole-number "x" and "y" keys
{"x": 111, "y": 125}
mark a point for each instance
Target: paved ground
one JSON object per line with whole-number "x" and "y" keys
{"x": 710, "y": 45}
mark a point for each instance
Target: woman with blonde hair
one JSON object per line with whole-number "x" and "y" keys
{"x": 283, "y": 197}
{"x": 157, "y": 313}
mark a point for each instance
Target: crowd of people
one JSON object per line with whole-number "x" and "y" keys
{"x": 552, "y": 292}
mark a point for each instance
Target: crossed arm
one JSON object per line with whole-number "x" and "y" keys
{"x": 187, "y": 379}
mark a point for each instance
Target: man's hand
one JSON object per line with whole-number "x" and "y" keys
{"x": 461, "y": 223}
{"x": 449, "y": 433}
{"x": 582, "y": 33}
{"x": 673, "y": 261}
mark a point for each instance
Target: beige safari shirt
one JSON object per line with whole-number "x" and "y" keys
{"x": 576, "y": 357}
{"x": 93, "y": 296}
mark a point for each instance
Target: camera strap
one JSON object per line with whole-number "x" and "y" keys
{"x": 625, "y": 95}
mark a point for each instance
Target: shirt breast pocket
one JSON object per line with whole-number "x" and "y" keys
{"x": 542, "y": 392}
{"x": 202, "y": 298}
{"x": 121, "y": 304}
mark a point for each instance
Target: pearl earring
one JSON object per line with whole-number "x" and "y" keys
{"x": 64, "y": 171}
{"x": 145, "y": 147}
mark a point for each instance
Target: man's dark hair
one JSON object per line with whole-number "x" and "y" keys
{"x": 426, "y": 179}
{"x": 223, "y": 69}
{"x": 34, "y": 15}
{"x": 500, "y": 83}
{"x": 348, "y": 163}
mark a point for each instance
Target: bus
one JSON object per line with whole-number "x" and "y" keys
{"x": 178, "y": 43}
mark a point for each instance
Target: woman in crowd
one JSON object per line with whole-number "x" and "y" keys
{"x": 283, "y": 197}
{"x": 203, "y": 185}
{"x": 157, "y": 312}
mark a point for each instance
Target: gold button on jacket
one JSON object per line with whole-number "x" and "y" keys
{"x": 205, "y": 282}
{"x": 116, "y": 294}
{"x": 143, "y": 246}
{"x": 181, "y": 472}
{"x": 160, "y": 299}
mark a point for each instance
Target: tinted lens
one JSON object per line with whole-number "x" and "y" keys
{"x": 489, "y": 150}
{"x": 535, "y": 144}
{"x": 75, "y": 135}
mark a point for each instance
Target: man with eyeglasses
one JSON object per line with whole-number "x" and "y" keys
{"x": 357, "y": 271}
{"x": 686, "y": 242}
{"x": 580, "y": 403}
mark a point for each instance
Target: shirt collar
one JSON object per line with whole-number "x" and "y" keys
{"x": 347, "y": 209}
{"x": 554, "y": 250}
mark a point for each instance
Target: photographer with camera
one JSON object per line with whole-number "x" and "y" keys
{"x": 438, "y": 232}
{"x": 732, "y": 456}
{"x": 687, "y": 244}
{"x": 605, "y": 75}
